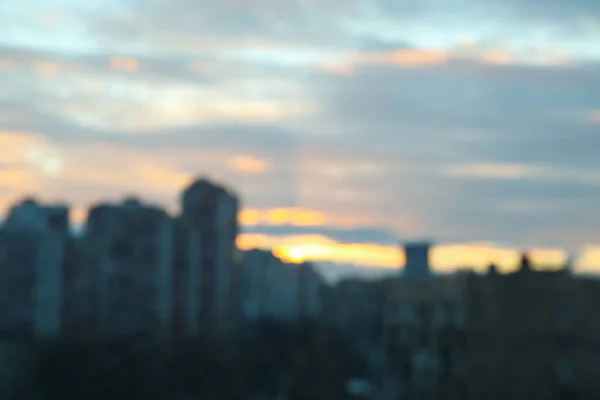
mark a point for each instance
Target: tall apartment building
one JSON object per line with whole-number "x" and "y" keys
{"x": 129, "y": 247}
{"x": 32, "y": 258}
{"x": 207, "y": 277}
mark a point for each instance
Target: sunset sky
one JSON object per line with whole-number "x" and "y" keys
{"x": 346, "y": 126}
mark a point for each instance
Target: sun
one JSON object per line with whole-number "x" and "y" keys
{"x": 295, "y": 254}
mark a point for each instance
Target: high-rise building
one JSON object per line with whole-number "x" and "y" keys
{"x": 130, "y": 262}
{"x": 208, "y": 230}
{"x": 32, "y": 258}
{"x": 417, "y": 260}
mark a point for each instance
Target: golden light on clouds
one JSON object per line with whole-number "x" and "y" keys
{"x": 478, "y": 256}
{"x": 299, "y": 248}
{"x": 247, "y": 164}
{"x": 278, "y": 216}
{"x": 17, "y": 179}
{"x": 337, "y": 68}
{"x": 161, "y": 176}
{"x": 47, "y": 69}
{"x": 124, "y": 64}
{"x": 405, "y": 57}
{"x": 496, "y": 57}
{"x": 589, "y": 261}
{"x": 444, "y": 258}
{"x": 470, "y": 51}
{"x": 78, "y": 215}
{"x": 491, "y": 171}
{"x": 595, "y": 116}
{"x": 281, "y": 216}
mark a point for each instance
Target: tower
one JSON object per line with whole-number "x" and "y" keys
{"x": 417, "y": 260}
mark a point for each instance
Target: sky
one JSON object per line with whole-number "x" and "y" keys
{"x": 346, "y": 127}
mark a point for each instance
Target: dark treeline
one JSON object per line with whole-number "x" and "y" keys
{"x": 263, "y": 360}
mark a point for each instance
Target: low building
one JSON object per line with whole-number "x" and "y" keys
{"x": 533, "y": 334}
{"x": 528, "y": 334}
{"x": 280, "y": 290}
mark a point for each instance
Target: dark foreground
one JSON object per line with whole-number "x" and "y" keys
{"x": 263, "y": 360}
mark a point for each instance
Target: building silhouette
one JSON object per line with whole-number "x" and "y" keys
{"x": 130, "y": 260}
{"x": 208, "y": 272}
{"x": 137, "y": 271}
{"x": 32, "y": 256}
{"x": 417, "y": 260}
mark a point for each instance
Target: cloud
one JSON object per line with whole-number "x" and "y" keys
{"x": 358, "y": 234}
{"x": 346, "y": 124}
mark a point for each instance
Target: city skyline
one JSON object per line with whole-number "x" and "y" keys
{"x": 360, "y": 125}
{"x": 298, "y": 254}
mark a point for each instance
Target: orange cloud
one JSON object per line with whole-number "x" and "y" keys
{"x": 492, "y": 171}
{"x": 405, "y": 57}
{"x": 124, "y": 64}
{"x": 589, "y": 261}
{"x": 595, "y": 116}
{"x": 78, "y": 215}
{"x": 16, "y": 144}
{"x": 161, "y": 176}
{"x": 247, "y": 164}
{"x": 444, "y": 258}
{"x": 496, "y": 57}
{"x": 282, "y": 216}
{"x": 17, "y": 179}
{"x": 47, "y": 69}
{"x": 337, "y": 68}
{"x": 320, "y": 248}
{"x": 409, "y": 58}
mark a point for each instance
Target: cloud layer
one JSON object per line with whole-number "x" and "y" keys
{"x": 347, "y": 126}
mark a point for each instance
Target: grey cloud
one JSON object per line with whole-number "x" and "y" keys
{"x": 211, "y": 23}
{"x": 520, "y": 111}
{"x": 355, "y": 235}
{"x": 21, "y": 116}
{"x": 559, "y": 212}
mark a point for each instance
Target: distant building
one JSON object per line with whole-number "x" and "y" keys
{"x": 129, "y": 248}
{"x": 524, "y": 335}
{"x": 208, "y": 231}
{"x": 32, "y": 258}
{"x": 271, "y": 287}
{"x": 311, "y": 287}
{"x": 417, "y": 260}
{"x": 280, "y": 290}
